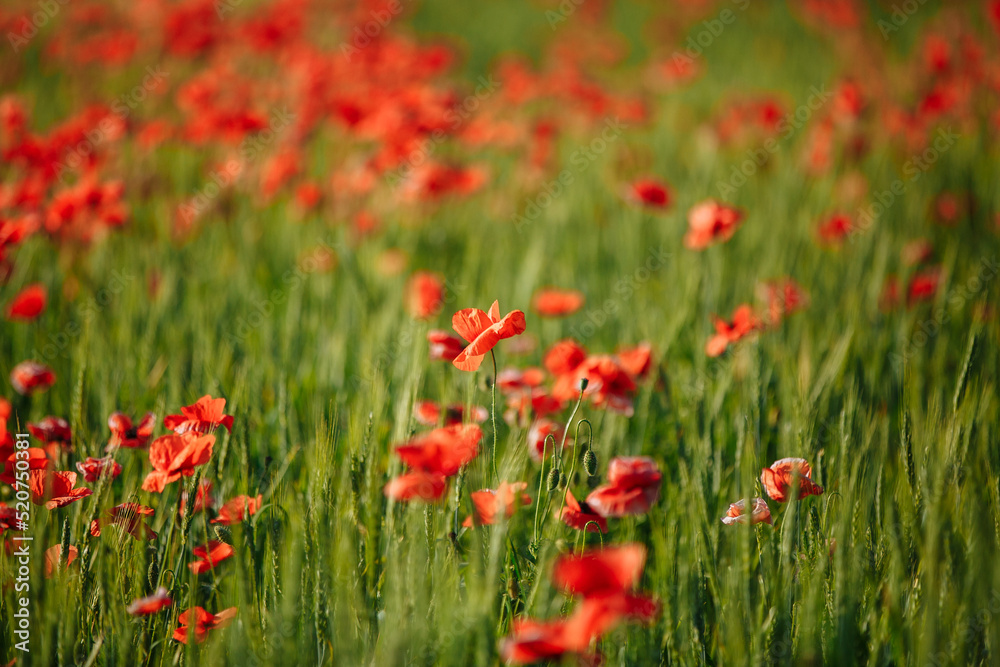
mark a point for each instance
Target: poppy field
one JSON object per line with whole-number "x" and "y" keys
{"x": 569, "y": 332}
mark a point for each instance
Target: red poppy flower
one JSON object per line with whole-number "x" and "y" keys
{"x": 633, "y": 485}
{"x": 150, "y": 604}
{"x": 783, "y": 297}
{"x": 92, "y": 468}
{"x": 711, "y": 222}
{"x": 55, "y": 488}
{"x": 784, "y": 475}
{"x": 52, "y": 556}
{"x": 126, "y": 434}
{"x": 173, "y": 456}
{"x": 203, "y": 417}
{"x": 210, "y": 555}
{"x": 761, "y": 513}
{"x": 564, "y": 357}
{"x": 443, "y": 346}
{"x": 636, "y": 361}
{"x": 599, "y": 613}
{"x": 745, "y": 322}
{"x": 130, "y": 517}
{"x": 37, "y": 460}
{"x": 835, "y": 229}
{"x": 54, "y": 432}
{"x": 539, "y": 431}
{"x": 516, "y": 380}
{"x": 8, "y": 519}
{"x": 238, "y": 508}
{"x": 444, "y": 450}
{"x": 579, "y": 516}
{"x": 424, "y": 295}
{"x": 489, "y": 503}
{"x": 428, "y": 413}
{"x": 429, "y": 486}
{"x": 5, "y": 438}
{"x": 532, "y": 641}
{"x": 31, "y": 376}
{"x": 483, "y": 331}
{"x": 923, "y": 286}
{"x": 28, "y": 304}
{"x": 649, "y": 192}
{"x": 198, "y": 622}
{"x": 609, "y": 570}
{"x": 608, "y": 385}
{"x": 556, "y": 302}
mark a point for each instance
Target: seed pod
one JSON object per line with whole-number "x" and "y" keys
{"x": 590, "y": 462}
{"x": 154, "y": 571}
{"x": 553, "y": 480}
{"x": 224, "y": 534}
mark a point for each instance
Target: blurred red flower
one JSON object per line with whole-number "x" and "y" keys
{"x": 28, "y": 304}
{"x": 210, "y": 555}
{"x": 556, "y": 302}
{"x": 150, "y": 604}
{"x": 203, "y": 417}
{"x": 174, "y": 456}
{"x": 92, "y": 468}
{"x": 737, "y": 513}
{"x": 130, "y": 517}
{"x": 710, "y": 222}
{"x": 239, "y": 508}
{"x": 424, "y": 295}
{"x": 31, "y": 376}
{"x": 196, "y": 621}
{"x": 745, "y": 322}
{"x": 581, "y": 517}
{"x": 443, "y": 346}
{"x": 55, "y": 488}
{"x": 52, "y": 556}
{"x": 489, "y": 503}
{"x": 633, "y": 485}
{"x": 126, "y": 434}
{"x": 784, "y": 475}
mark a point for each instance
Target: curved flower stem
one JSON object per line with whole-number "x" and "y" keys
{"x": 493, "y": 391}
{"x": 541, "y": 486}
{"x": 572, "y": 470}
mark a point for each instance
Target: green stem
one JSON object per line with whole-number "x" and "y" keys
{"x": 493, "y": 391}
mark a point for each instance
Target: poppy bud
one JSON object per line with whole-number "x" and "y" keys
{"x": 583, "y": 384}
{"x": 563, "y": 480}
{"x": 154, "y": 571}
{"x": 224, "y": 534}
{"x": 590, "y": 462}
{"x": 553, "y": 480}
